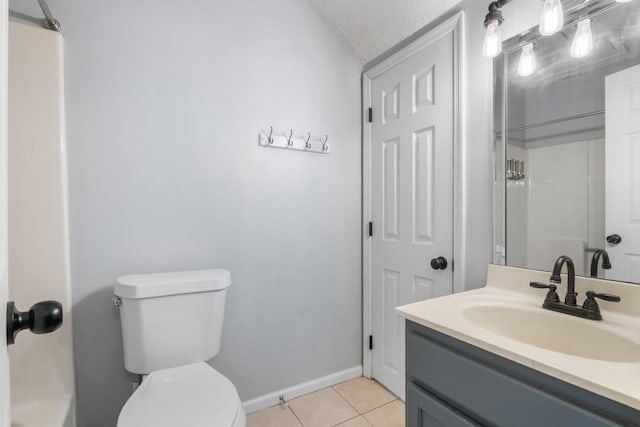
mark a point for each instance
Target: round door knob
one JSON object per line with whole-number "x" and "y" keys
{"x": 439, "y": 263}
{"x": 42, "y": 318}
{"x": 614, "y": 239}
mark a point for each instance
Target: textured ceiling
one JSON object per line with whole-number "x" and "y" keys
{"x": 372, "y": 26}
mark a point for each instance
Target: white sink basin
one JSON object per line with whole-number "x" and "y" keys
{"x": 560, "y": 333}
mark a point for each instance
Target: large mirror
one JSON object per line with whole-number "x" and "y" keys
{"x": 567, "y": 133}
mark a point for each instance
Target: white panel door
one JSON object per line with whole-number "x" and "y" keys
{"x": 623, "y": 172}
{"x": 4, "y": 288}
{"x": 411, "y": 196}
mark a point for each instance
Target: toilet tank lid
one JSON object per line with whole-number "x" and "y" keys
{"x": 138, "y": 286}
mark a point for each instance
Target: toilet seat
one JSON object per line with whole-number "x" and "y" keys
{"x": 194, "y": 395}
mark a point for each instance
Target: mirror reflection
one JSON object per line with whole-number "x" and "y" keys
{"x": 568, "y": 167}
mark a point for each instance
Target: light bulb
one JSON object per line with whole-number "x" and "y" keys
{"x": 527, "y": 64}
{"x": 552, "y": 19}
{"x": 492, "y": 40}
{"x": 623, "y": 1}
{"x": 582, "y": 44}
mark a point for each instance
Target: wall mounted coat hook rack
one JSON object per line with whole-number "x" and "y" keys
{"x": 290, "y": 141}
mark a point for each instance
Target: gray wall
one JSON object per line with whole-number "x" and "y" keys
{"x": 164, "y": 103}
{"x": 477, "y": 150}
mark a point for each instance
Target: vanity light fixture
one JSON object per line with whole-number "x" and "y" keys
{"x": 582, "y": 44}
{"x": 551, "y": 21}
{"x": 552, "y": 18}
{"x": 492, "y": 45}
{"x": 527, "y": 63}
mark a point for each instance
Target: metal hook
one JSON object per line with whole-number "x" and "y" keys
{"x": 307, "y": 144}
{"x": 324, "y": 144}
{"x": 270, "y": 137}
{"x": 289, "y": 141}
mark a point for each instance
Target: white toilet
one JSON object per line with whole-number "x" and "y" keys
{"x": 171, "y": 325}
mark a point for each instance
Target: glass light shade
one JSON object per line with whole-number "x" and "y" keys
{"x": 552, "y": 18}
{"x": 582, "y": 44}
{"x": 492, "y": 46}
{"x": 527, "y": 64}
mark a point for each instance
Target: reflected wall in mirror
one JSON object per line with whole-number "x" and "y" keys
{"x": 567, "y": 132}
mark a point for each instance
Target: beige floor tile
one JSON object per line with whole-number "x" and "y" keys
{"x": 389, "y": 415}
{"x": 364, "y": 394}
{"x": 355, "y": 422}
{"x": 323, "y": 408}
{"x": 276, "y": 416}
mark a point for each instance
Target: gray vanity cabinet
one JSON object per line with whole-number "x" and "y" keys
{"x": 429, "y": 411}
{"x": 451, "y": 383}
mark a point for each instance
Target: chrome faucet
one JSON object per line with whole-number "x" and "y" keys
{"x": 570, "y": 299}
{"x": 606, "y": 264}
{"x": 589, "y": 309}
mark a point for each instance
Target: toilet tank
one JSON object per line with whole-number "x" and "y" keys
{"x": 171, "y": 319}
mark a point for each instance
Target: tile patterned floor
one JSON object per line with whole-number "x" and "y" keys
{"x": 357, "y": 403}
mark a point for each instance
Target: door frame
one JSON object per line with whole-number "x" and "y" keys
{"x": 4, "y": 291}
{"x": 455, "y": 26}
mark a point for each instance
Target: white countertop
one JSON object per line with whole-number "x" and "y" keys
{"x": 509, "y": 287}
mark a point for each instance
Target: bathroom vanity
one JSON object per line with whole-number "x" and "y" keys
{"x": 494, "y": 357}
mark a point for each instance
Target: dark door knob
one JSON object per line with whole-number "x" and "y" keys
{"x": 42, "y": 318}
{"x": 614, "y": 239}
{"x": 439, "y": 263}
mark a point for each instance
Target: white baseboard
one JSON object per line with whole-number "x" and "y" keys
{"x": 267, "y": 400}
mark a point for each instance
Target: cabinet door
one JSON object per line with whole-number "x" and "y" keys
{"x": 426, "y": 410}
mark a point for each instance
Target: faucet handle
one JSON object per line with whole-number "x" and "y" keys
{"x": 606, "y": 297}
{"x": 591, "y": 304}
{"x": 539, "y": 285}
{"x": 552, "y": 295}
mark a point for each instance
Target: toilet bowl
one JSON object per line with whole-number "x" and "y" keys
{"x": 194, "y": 395}
{"x": 171, "y": 325}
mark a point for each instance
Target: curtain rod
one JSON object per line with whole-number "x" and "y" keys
{"x": 49, "y": 21}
